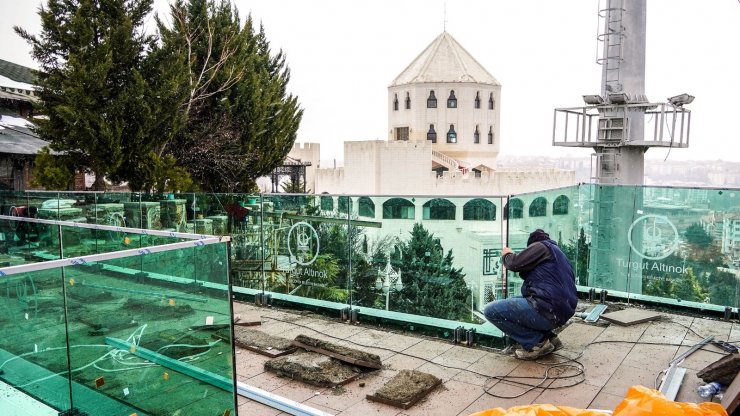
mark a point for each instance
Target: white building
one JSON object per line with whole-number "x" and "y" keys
{"x": 443, "y": 137}
{"x": 438, "y": 166}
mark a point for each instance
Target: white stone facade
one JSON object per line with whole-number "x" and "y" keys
{"x": 408, "y": 163}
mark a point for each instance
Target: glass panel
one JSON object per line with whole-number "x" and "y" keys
{"x": 557, "y": 213}
{"x": 152, "y": 341}
{"x": 306, "y": 246}
{"x": 27, "y": 242}
{"x": 415, "y": 264}
{"x": 33, "y": 348}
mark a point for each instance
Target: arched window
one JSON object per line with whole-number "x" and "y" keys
{"x": 452, "y": 100}
{"x": 490, "y": 134}
{"x": 327, "y": 203}
{"x": 395, "y": 102}
{"x": 476, "y": 135}
{"x": 516, "y": 208}
{"x": 432, "y": 134}
{"x": 476, "y": 103}
{"x": 408, "y": 101}
{"x": 366, "y": 207}
{"x": 560, "y": 206}
{"x": 538, "y": 207}
{"x": 398, "y": 209}
{"x": 451, "y": 134}
{"x": 479, "y": 210}
{"x": 439, "y": 209}
{"x": 491, "y": 102}
{"x": 345, "y": 204}
{"x": 432, "y": 100}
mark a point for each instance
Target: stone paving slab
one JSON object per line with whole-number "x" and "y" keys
{"x": 610, "y": 367}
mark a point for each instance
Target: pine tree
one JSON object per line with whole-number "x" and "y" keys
{"x": 93, "y": 86}
{"x": 241, "y": 123}
{"x": 431, "y": 286}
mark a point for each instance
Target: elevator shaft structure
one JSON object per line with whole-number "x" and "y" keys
{"x": 620, "y": 124}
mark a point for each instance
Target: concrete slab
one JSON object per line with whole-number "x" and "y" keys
{"x": 631, "y": 316}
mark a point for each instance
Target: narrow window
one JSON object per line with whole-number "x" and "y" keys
{"x": 452, "y": 100}
{"x": 490, "y": 134}
{"x": 432, "y": 100}
{"x": 476, "y": 135}
{"x": 408, "y": 101}
{"x": 432, "y": 134}
{"x": 451, "y": 135}
{"x": 477, "y": 99}
{"x": 491, "y": 102}
{"x": 402, "y": 133}
{"x": 395, "y": 102}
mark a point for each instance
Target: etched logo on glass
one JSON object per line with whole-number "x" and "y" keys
{"x": 659, "y": 237}
{"x": 303, "y": 243}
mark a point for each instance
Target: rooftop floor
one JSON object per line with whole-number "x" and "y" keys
{"x": 612, "y": 357}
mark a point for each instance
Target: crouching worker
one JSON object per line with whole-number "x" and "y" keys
{"x": 548, "y": 297}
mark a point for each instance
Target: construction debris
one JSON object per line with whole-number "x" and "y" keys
{"x": 348, "y": 355}
{"x": 312, "y": 368}
{"x": 723, "y": 371}
{"x": 257, "y": 341}
{"x": 405, "y": 389}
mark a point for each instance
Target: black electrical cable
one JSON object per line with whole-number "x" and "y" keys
{"x": 568, "y": 362}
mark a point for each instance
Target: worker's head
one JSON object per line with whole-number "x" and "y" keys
{"x": 537, "y": 235}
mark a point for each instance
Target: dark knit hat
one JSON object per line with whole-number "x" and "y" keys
{"x": 537, "y": 235}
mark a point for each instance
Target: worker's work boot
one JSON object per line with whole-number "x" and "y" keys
{"x": 556, "y": 343}
{"x": 538, "y": 351}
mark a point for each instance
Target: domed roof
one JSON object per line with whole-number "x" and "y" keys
{"x": 444, "y": 60}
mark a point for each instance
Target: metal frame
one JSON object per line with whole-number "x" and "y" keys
{"x": 671, "y": 128}
{"x": 195, "y": 241}
{"x": 142, "y": 231}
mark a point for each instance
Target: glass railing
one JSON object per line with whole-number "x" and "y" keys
{"x": 141, "y": 329}
{"x": 434, "y": 260}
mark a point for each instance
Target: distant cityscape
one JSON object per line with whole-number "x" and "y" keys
{"x": 705, "y": 173}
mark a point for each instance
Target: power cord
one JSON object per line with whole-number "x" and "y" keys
{"x": 568, "y": 362}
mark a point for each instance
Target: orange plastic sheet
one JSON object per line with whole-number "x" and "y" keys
{"x": 539, "y": 410}
{"x": 640, "y": 401}
{"x": 644, "y": 401}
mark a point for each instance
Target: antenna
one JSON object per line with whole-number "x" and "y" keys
{"x": 444, "y": 20}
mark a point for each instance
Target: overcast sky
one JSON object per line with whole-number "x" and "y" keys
{"x": 344, "y": 54}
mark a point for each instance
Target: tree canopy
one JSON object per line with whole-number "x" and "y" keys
{"x": 204, "y": 97}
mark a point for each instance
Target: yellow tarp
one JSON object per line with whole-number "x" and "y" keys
{"x": 640, "y": 401}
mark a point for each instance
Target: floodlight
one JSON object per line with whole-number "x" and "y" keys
{"x": 619, "y": 98}
{"x": 593, "y": 99}
{"x": 681, "y": 100}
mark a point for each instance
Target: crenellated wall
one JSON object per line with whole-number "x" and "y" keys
{"x": 308, "y": 152}
{"x": 379, "y": 167}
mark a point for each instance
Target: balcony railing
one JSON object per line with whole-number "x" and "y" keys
{"x": 667, "y": 245}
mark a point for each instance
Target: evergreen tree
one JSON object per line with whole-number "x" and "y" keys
{"x": 688, "y": 287}
{"x": 431, "y": 286}
{"x": 241, "y": 123}
{"x": 93, "y": 86}
{"x": 695, "y": 235}
{"x": 577, "y": 252}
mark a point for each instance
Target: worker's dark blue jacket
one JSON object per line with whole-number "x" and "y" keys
{"x": 550, "y": 286}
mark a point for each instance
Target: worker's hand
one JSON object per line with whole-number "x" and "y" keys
{"x": 506, "y": 251}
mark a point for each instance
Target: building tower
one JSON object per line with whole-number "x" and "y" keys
{"x": 613, "y": 123}
{"x": 447, "y": 97}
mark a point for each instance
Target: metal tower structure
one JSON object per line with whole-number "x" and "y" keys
{"x": 620, "y": 124}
